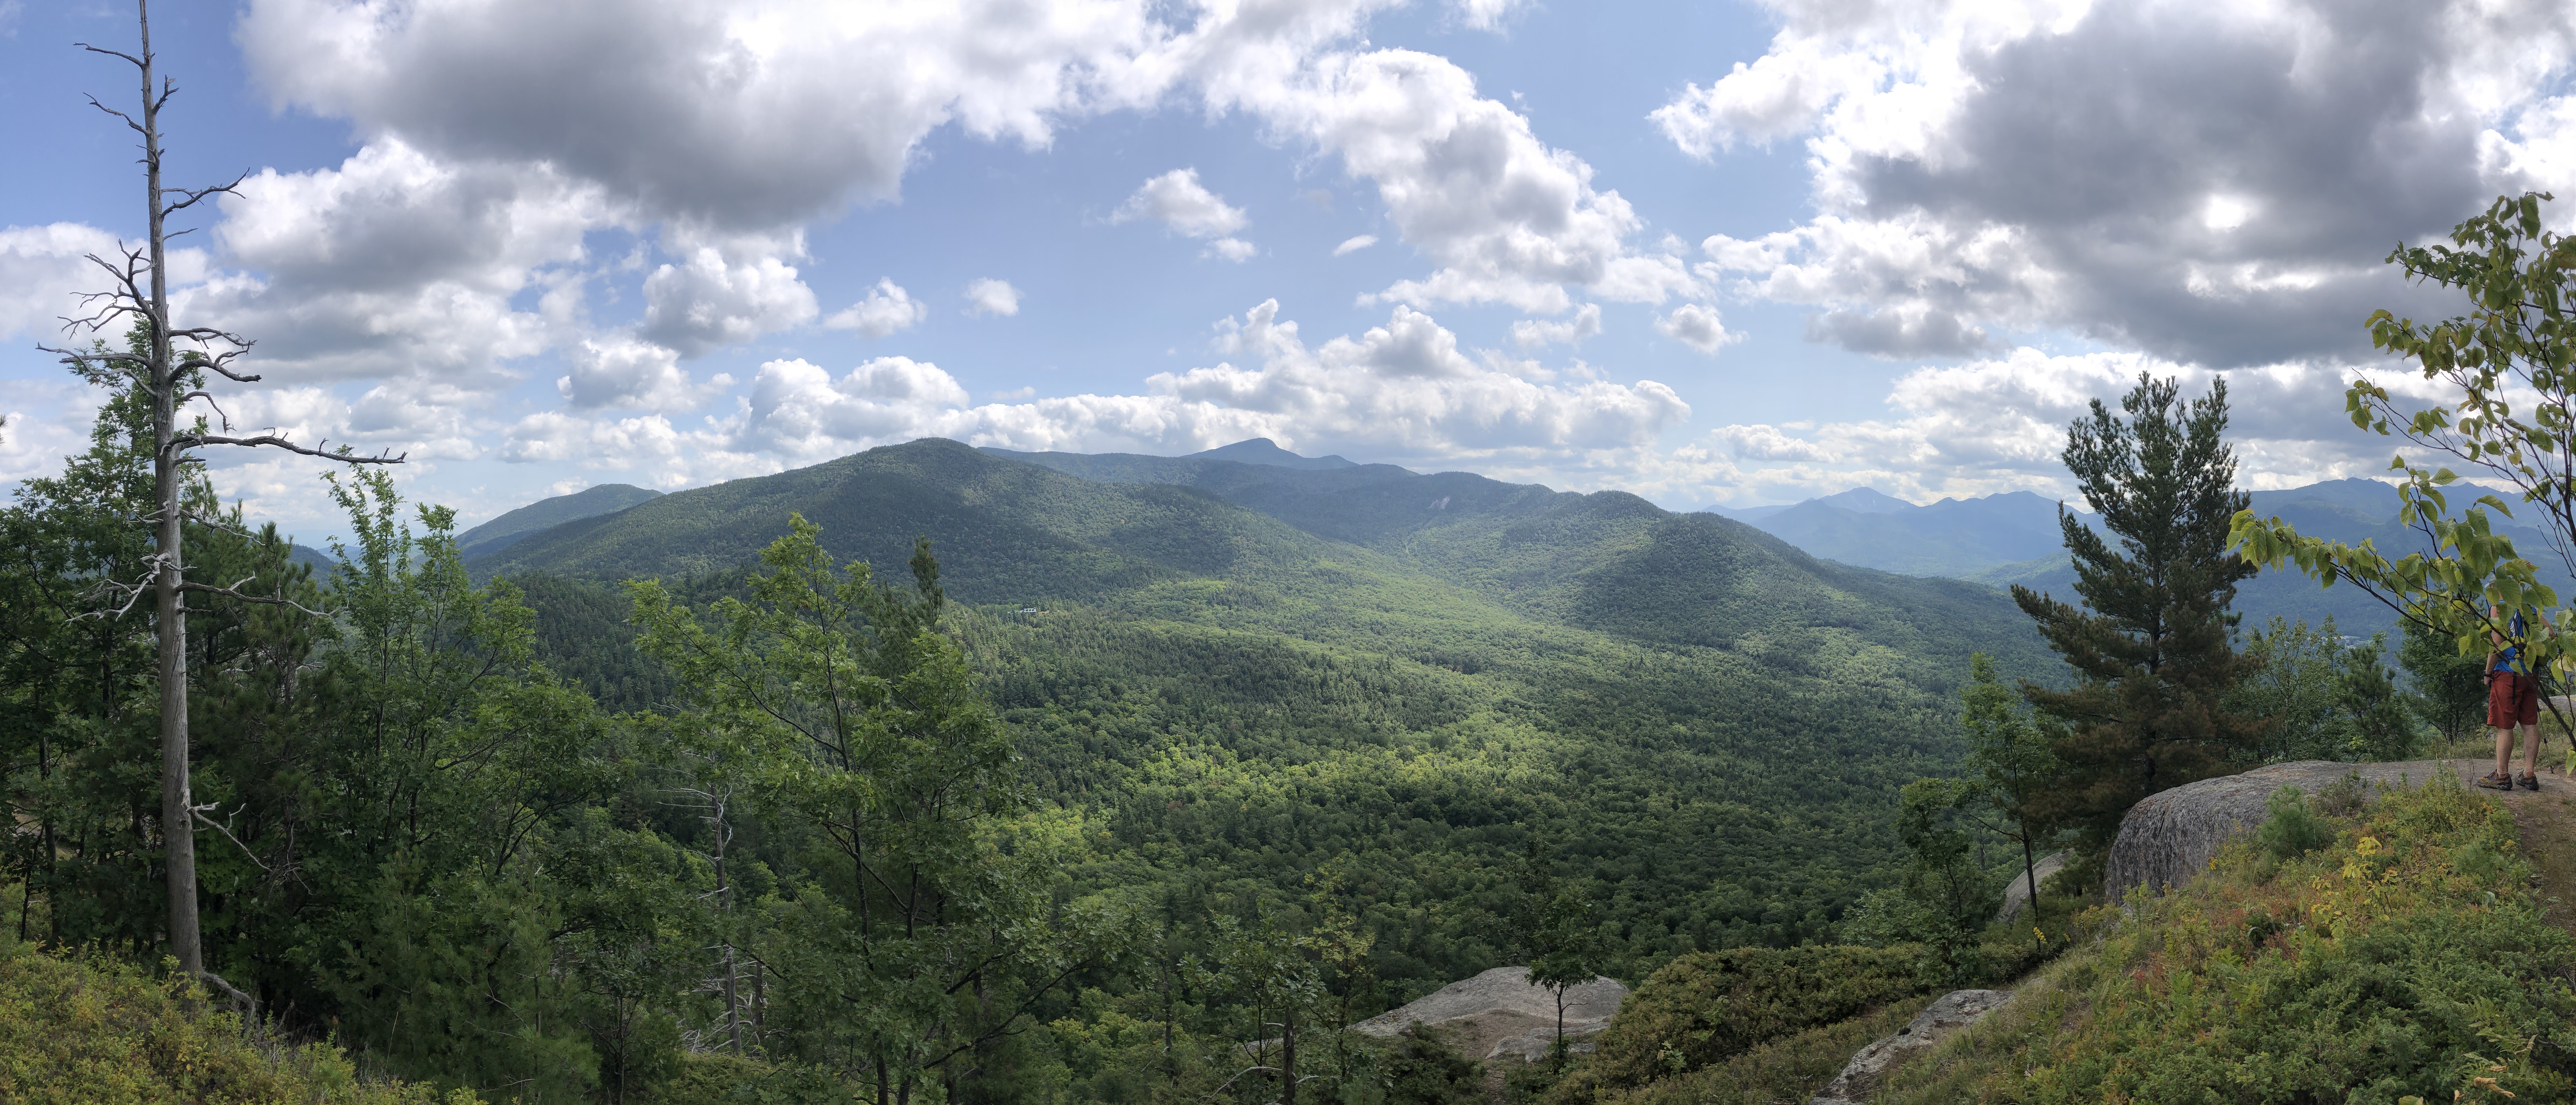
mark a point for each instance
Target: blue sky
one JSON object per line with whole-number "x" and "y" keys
{"x": 1711, "y": 253}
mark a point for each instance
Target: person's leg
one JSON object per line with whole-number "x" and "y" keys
{"x": 2501, "y": 716}
{"x": 2527, "y": 708}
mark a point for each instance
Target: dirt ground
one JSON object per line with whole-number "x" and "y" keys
{"x": 2546, "y": 821}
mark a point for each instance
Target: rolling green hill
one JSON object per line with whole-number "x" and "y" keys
{"x": 499, "y": 533}
{"x": 1251, "y": 673}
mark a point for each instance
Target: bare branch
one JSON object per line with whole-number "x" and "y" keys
{"x": 191, "y": 441}
{"x": 212, "y": 523}
{"x": 138, "y": 62}
{"x": 71, "y": 355}
{"x": 210, "y": 401}
{"x": 199, "y": 812}
{"x": 133, "y": 592}
{"x": 129, "y": 120}
{"x": 248, "y": 1007}
{"x": 195, "y": 194}
{"x": 234, "y": 591}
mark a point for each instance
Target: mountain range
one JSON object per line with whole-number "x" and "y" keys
{"x": 1252, "y": 671}
{"x": 2014, "y": 538}
{"x": 1251, "y": 668}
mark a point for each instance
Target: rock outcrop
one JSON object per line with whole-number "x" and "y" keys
{"x": 1500, "y": 1013}
{"x": 2017, "y": 895}
{"x": 2170, "y": 836}
{"x": 1937, "y": 1022}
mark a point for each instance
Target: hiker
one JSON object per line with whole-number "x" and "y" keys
{"x": 2513, "y": 698}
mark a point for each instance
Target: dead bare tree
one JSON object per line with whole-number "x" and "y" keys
{"x": 140, "y": 299}
{"x": 713, "y": 807}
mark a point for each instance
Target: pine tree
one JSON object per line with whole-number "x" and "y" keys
{"x": 2149, "y": 646}
{"x": 2449, "y": 689}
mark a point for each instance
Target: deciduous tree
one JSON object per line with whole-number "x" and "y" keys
{"x": 2011, "y": 764}
{"x": 2507, "y": 418}
{"x": 932, "y": 933}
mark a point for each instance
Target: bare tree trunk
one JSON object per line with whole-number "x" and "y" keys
{"x": 2030, "y": 875}
{"x": 1288, "y": 1057}
{"x": 1560, "y": 1026}
{"x": 178, "y": 817}
{"x": 733, "y": 1008}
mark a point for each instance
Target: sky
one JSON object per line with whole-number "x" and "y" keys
{"x": 1711, "y": 253}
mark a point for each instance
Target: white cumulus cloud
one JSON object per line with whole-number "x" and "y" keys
{"x": 1530, "y": 333}
{"x": 1403, "y": 390}
{"x": 709, "y": 300}
{"x": 1177, "y": 200}
{"x": 886, "y": 309}
{"x": 1696, "y": 326}
{"x": 990, "y": 297}
{"x": 1505, "y": 217}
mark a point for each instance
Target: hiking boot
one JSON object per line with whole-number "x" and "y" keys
{"x": 2529, "y": 781}
{"x": 2496, "y": 780}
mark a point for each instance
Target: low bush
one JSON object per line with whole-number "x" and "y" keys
{"x": 80, "y": 1031}
{"x": 2291, "y": 827}
{"x": 2407, "y": 957}
{"x": 1703, "y": 1009}
{"x": 1791, "y": 1068}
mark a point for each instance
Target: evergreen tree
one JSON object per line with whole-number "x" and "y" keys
{"x": 2375, "y": 723}
{"x": 2149, "y": 646}
{"x": 2449, "y": 688}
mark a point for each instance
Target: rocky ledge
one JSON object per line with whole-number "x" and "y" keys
{"x": 1499, "y": 1013}
{"x": 1937, "y": 1022}
{"x": 2172, "y": 835}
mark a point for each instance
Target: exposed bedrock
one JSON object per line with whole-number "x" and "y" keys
{"x": 2170, "y": 836}
{"x": 1937, "y": 1022}
{"x": 1499, "y": 1012}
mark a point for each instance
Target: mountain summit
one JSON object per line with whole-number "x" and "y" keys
{"x": 589, "y": 502}
{"x": 1262, "y": 450}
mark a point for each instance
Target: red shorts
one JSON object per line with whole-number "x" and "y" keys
{"x": 2512, "y": 699}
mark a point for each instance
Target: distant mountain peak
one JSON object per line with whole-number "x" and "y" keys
{"x": 1865, "y": 500}
{"x": 1262, "y": 450}
{"x": 589, "y": 502}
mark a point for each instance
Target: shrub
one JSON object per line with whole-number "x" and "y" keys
{"x": 100, "y": 1032}
{"x": 1705, "y": 1008}
{"x": 1789, "y": 1069}
{"x": 1421, "y": 1068}
{"x": 2293, "y": 829}
{"x": 2343, "y": 797}
{"x": 2407, "y": 958}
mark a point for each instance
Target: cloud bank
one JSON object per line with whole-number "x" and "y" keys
{"x": 2213, "y": 184}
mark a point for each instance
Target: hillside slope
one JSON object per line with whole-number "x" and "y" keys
{"x": 499, "y": 533}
